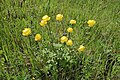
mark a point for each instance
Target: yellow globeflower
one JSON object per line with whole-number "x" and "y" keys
{"x": 26, "y": 32}
{"x": 91, "y": 23}
{"x": 59, "y": 17}
{"x": 63, "y": 39}
{"x": 81, "y": 48}
{"x": 43, "y": 23}
{"x": 72, "y": 21}
{"x": 69, "y": 42}
{"x": 46, "y": 18}
{"x": 37, "y": 37}
{"x": 33, "y": 78}
{"x": 69, "y": 29}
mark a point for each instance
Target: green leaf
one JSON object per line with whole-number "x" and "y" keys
{"x": 57, "y": 45}
{"x": 1, "y": 52}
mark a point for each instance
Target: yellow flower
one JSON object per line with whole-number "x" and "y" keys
{"x": 46, "y": 18}
{"x": 59, "y": 17}
{"x": 26, "y": 32}
{"x": 33, "y": 78}
{"x": 69, "y": 29}
{"x": 72, "y": 21}
{"x": 69, "y": 42}
{"x": 37, "y": 37}
{"x": 91, "y": 23}
{"x": 43, "y": 23}
{"x": 63, "y": 39}
{"x": 81, "y": 48}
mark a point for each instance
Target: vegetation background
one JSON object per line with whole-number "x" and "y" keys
{"x": 22, "y": 58}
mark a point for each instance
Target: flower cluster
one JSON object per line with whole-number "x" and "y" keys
{"x": 44, "y": 20}
{"x": 27, "y": 32}
{"x": 64, "y": 39}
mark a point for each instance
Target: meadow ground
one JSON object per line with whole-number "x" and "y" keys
{"x": 23, "y": 58}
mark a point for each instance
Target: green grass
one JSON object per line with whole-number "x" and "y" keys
{"x": 21, "y": 58}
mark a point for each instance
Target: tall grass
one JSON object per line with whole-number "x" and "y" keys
{"x": 22, "y": 58}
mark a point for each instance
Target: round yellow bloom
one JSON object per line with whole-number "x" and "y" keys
{"x": 37, "y": 37}
{"x": 63, "y": 39}
{"x": 91, "y": 23}
{"x": 69, "y": 29}
{"x": 43, "y": 23}
{"x": 81, "y": 48}
{"x": 26, "y": 32}
{"x": 33, "y": 78}
{"x": 46, "y": 18}
{"x": 72, "y": 21}
{"x": 69, "y": 42}
{"x": 59, "y": 17}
